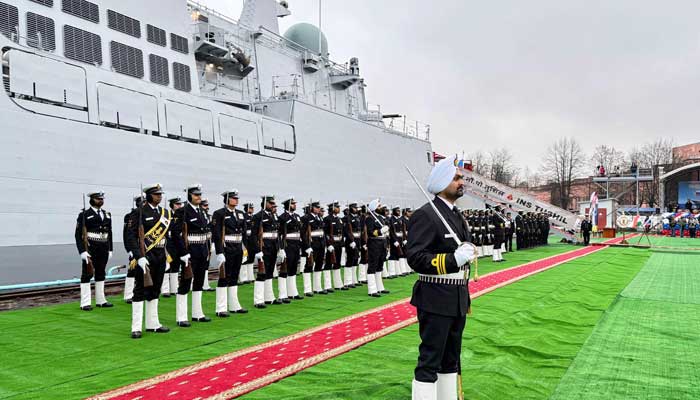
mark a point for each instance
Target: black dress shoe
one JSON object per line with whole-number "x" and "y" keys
{"x": 297, "y": 297}
{"x": 184, "y": 324}
{"x": 129, "y": 301}
{"x": 286, "y": 301}
{"x": 310, "y": 294}
{"x": 321, "y": 292}
{"x": 166, "y": 295}
{"x": 268, "y": 302}
{"x": 384, "y": 292}
{"x": 162, "y": 329}
{"x": 363, "y": 282}
{"x": 223, "y": 314}
{"x": 375, "y": 295}
{"x": 202, "y": 319}
{"x": 330, "y": 291}
{"x": 136, "y": 335}
{"x": 86, "y": 308}
{"x": 278, "y": 302}
{"x": 353, "y": 286}
{"x": 344, "y": 288}
{"x": 211, "y": 289}
{"x": 241, "y": 311}
{"x": 105, "y": 305}
{"x": 260, "y": 306}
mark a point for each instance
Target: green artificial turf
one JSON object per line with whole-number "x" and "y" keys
{"x": 517, "y": 345}
{"x": 647, "y": 346}
{"x": 60, "y": 352}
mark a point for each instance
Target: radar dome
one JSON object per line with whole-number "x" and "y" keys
{"x": 307, "y": 35}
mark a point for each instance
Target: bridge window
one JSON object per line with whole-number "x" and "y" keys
{"x": 82, "y": 9}
{"x": 124, "y": 24}
{"x": 181, "y": 77}
{"x": 41, "y": 32}
{"x": 159, "y": 69}
{"x": 82, "y": 45}
{"x": 179, "y": 43}
{"x": 155, "y": 35}
{"x": 9, "y": 21}
{"x": 47, "y": 3}
{"x": 126, "y": 60}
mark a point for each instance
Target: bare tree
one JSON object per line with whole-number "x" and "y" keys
{"x": 608, "y": 157}
{"x": 479, "y": 163}
{"x": 563, "y": 162}
{"x": 651, "y": 155}
{"x": 530, "y": 178}
{"x": 502, "y": 169}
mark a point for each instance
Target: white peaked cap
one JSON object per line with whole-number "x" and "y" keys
{"x": 442, "y": 174}
{"x": 373, "y": 205}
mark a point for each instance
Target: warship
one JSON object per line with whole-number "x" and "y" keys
{"x": 111, "y": 94}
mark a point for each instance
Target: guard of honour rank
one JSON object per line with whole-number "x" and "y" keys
{"x": 172, "y": 248}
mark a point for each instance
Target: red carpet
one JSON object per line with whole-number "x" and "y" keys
{"x": 240, "y": 372}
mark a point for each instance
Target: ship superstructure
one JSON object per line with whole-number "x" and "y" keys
{"x": 107, "y": 94}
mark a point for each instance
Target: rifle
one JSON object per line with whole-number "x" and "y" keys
{"x": 222, "y": 266}
{"x": 332, "y": 255}
{"x": 399, "y": 250}
{"x": 350, "y": 233}
{"x": 89, "y": 266}
{"x": 309, "y": 257}
{"x": 283, "y": 245}
{"x": 147, "y": 280}
{"x": 261, "y": 263}
{"x": 187, "y": 268}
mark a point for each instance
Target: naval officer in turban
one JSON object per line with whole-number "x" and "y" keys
{"x": 440, "y": 294}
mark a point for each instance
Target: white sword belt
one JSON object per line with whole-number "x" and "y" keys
{"x": 97, "y": 236}
{"x": 317, "y": 234}
{"x": 491, "y": 226}
{"x": 399, "y": 234}
{"x": 160, "y": 244}
{"x": 248, "y": 232}
{"x": 443, "y": 281}
{"x": 293, "y": 236}
{"x": 197, "y": 239}
{"x": 269, "y": 235}
{"x": 356, "y": 235}
{"x": 233, "y": 238}
{"x": 382, "y": 237}
{"x": 338, "y": 237}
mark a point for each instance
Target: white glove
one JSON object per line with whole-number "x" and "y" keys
{"x": 143, "y": 263}
{"x": 464, "y": 253}
{"x": 258, "y": 256}
{"x": 405, "y": 242}
{"x": 84, "y": 255}
{"x": 282, "y": 253}
{"x": 185, "y": 258}
{"x": 309, "y": 251}
{"x": 364, "y": 247}
{"x": 213, "y": 248}
{"x": 387, "y": 255}
{"x": 109, "y": 256}
{"x": 396, "y": 244}
{"x": 353, "y": 245}
{"x": 131, "y": 255}
{"x": 220, "y": 258}
{"x": 385, "y": 230}
{"x": 330, "y": 249}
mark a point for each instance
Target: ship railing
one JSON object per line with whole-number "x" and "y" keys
{"x": 197, "y": 6}
{"x": 409, "y": 127}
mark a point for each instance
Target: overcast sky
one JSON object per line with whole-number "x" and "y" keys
{"x": 520, "y": 74}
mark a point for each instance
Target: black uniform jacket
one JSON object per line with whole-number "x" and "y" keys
{"x": 197, "y": 224}
{"x": 290, "y": 222}
{"x": 93, "y": 223}
{"x": 430, "y": 252}
{"x": 149, "y": 217}
{"x": 229, "y": 223}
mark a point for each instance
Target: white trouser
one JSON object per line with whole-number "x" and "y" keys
{"x": 165, "y": 286}
{"x": 282, "y": 287}
{"x": 327, "y": 284}
{"x": 258, "y": 292}
{"x": 181, "y": 308}
{"x": 347, "y": 278}
{"x": 447, "y": 386}
{"x": 221, "y": 299}
{"x": 371, "y": 284}
{"x": 480, "y": 250}
{"x": 317, "y": 281}
{"x": 380, "y": 283}
{"x": 137, "y": 316}
{"x": 392, "y": 268}
{"x": 424, "y": 391}
{"x": 385, "y": 270}
{"x": 292, "y": 286}
{"x": 243, "y": 275}
{"x": 197, "y": 305}
{"x": 337, "y": 279}
{"x": 174, "y": 282}
{"x": 85, "y": 294}
{"x": 233, "y": 304}
{"x": 269, "y": 291}
{"x": 307, "y": 283}
{"x": 206, "y": 285}
{"x": 129, "y": 287}
{"x": 353, "y": 275}
{"x": 152, "y": 321}
{"x": 363, "y": 272}
{"x": 100, "y": 292}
